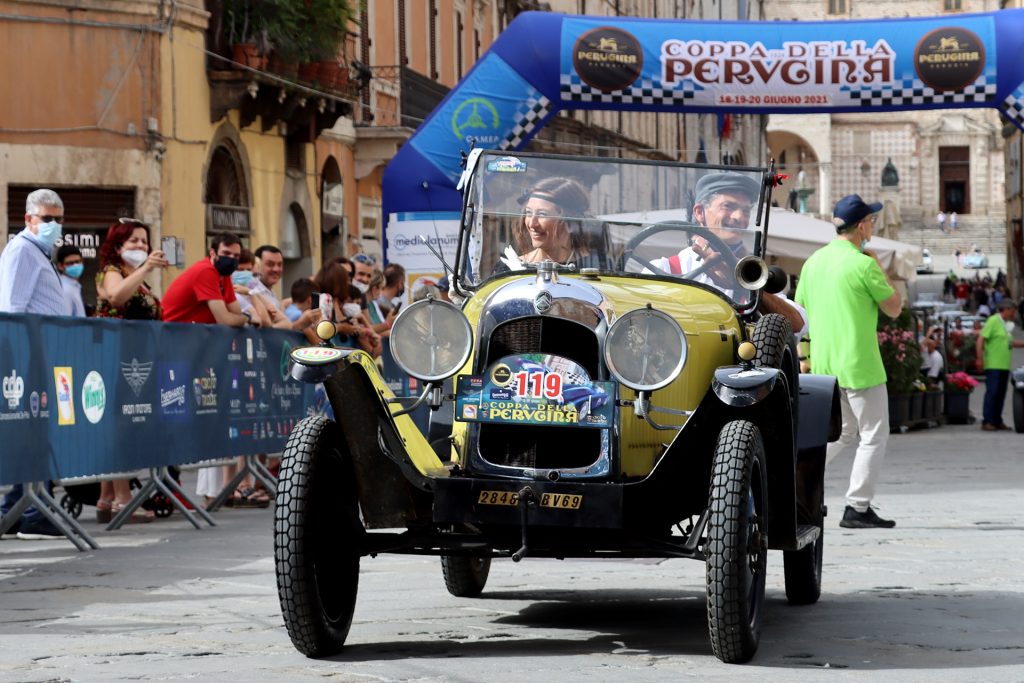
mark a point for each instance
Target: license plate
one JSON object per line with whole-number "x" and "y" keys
{"x": 557, "y": 501}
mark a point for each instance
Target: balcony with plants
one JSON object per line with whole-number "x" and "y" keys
{"x": 280, "y": 61}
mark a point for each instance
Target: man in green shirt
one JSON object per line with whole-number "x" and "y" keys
{"x": 843, "y": 287}
{"x": 993, "y": 345}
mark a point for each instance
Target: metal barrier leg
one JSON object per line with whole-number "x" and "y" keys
{"x": 165, "y": 482}
{"x": 14, "y": 514}
{"x": 227, "y": 491}
{"x": 259, "y": 471}
{"x": 52, "y": 509}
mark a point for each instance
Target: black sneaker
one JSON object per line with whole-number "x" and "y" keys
{"x": 12, "y": 532}
{"x": 864, "y": 520}
{"x": 39, "y": 530}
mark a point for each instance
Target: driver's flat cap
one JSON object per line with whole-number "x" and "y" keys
{"x": 735, "y": 183}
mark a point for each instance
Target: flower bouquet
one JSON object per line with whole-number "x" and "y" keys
{"x": 960, "y": 383}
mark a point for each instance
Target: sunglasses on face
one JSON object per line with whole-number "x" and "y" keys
{"x": 47, "y": 218}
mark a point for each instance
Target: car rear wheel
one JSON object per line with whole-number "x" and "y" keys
{"x": 465, "y": 576}
{"x": 317, "y": 533}
{"x": 803, "y": 571}
{"x": 737, "y": 545}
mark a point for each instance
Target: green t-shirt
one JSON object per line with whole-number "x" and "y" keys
{"x": 997, "y": 343}
{"x": 840, "y": 287}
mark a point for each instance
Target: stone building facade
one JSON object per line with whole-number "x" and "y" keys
{"x": 946, "y": 159}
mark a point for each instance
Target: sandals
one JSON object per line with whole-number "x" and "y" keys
{"x": 104, "y": 511}
{"x": 249, "y": 497}
{"x": 138, "y": 516}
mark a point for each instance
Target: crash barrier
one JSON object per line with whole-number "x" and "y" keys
{"x": 92, "y": 396}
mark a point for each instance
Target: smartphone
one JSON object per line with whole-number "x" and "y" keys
{"x": 314, "y": 300}
{"x": 327, "y": 306}
{"x": 169, "y": 245}
{"x": 396, "y": 307}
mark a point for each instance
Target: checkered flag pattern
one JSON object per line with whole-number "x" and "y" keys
{"x": 645, "y": 92}
{"x": 914, "y": 91}
{"x": 528, "y": 117}
{"x": 1013, "y": 106}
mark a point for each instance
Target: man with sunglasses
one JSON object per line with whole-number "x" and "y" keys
{"x": 29, "y": 283}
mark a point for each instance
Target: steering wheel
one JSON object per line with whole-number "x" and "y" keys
{"x": 716, "y": 242}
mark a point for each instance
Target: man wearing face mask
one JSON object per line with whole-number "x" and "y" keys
{"x": 71, "y": 267}
{"x": 363, "y": 272}
{"x": 29, "y": 283}
{"x": 843, "y": 287}
{"x": 204, "y": 292}
{"x": 993, "y": 353}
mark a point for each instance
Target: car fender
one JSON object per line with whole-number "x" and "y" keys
{"x": 821, "y": 418}
{"x": 741, "y": 387}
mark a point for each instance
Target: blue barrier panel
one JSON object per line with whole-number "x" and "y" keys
{"x": 94, "y": 396}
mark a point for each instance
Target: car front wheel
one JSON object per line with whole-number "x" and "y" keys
{"x": 317, "y": 532}
{"x": 465, "y": 576}
{"x": 737, "y": 545}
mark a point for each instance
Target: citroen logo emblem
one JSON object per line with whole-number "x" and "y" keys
{"x": 543, "y": 302}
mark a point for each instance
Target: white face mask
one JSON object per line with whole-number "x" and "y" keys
{"x": 1009, "y": 325}
{"x": 351, "y": 310}
{"x": 361, "y": 286}
{"x": 134, "y": 257}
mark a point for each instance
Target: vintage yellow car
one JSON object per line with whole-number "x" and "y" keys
{"x": 620, "y": 379}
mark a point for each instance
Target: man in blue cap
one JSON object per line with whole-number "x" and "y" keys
{"x": 842, "y": 286}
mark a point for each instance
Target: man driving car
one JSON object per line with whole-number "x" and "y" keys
{"x": 723, "y": 203}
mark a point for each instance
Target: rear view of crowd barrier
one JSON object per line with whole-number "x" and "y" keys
{"x": 92, "y": 396}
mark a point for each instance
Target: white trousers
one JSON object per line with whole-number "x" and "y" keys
{"x": 209, "y": 481}
{"x": 866, "y": 428}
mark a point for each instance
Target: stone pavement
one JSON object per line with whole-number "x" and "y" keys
{"x": 938, "y": 598}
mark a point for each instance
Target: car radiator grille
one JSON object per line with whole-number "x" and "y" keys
{"x": 542, "y": 447}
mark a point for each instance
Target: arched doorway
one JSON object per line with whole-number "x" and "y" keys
{"x": 295, "y": 248}
{"x": 227, "y": 192}
{"x": 332, "y": 210}
{"x": 807, "y": 190}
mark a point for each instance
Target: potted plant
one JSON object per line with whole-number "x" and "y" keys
{"x": 901, "y": 357}
{"x": 306, "y": 33}
{"x": 959, "y": 386}
{"x": 245, "y": 33}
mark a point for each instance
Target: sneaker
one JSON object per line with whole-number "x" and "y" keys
{"x": 39, "y": 530}
{"x": 864, "y": 520}
{"x": 12, "y": 532}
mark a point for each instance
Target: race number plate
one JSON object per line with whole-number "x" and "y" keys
{"x": 557, "y": 501}
{"x": 535, "y": 389}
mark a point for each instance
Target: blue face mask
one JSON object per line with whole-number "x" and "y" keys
{"x": 74, "y": 270}
{"x": 48, "y": 233}
{"x": 242, "y": 277}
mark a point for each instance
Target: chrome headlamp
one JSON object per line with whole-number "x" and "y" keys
{"x": 645, "y": 349}
{"x": 431, "y": 340}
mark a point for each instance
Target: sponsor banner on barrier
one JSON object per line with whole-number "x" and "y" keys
{"x": 97, "y": 395}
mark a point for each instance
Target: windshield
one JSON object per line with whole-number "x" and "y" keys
{"x": 619, "y": 216}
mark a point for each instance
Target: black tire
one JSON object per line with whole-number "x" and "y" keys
{"x": 317, "y": 534}
{"x": 465, "y": 576}
{"x": 737, "y": 548}
{"x": 803, "y": 571}
{"x": 776, "y": 348}
{"x": 1018, "y": 411}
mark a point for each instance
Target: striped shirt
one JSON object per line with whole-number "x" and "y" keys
{"x": 29, "y": 282}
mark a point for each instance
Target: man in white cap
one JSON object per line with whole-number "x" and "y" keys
{"x": 843, "y": 287}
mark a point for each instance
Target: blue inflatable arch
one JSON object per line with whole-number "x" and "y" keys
{"x": 546, "y": 62}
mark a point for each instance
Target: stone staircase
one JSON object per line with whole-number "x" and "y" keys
{"x": 987, "y": 233}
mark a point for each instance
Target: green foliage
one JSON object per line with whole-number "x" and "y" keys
{"x": 901, "y": 354}
{"x": 306, "y": 30}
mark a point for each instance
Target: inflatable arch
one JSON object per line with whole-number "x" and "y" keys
{"x": 545, "y": 62}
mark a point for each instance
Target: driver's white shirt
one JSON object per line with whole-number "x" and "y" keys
{"x": 689, "y": 260}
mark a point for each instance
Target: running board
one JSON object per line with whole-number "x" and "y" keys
{"x": 806, "y": 534}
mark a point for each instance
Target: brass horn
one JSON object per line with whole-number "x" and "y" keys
{"x": 751, "y": 272}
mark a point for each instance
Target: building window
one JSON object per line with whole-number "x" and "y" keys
{"x": 952, "y": 5}
{"x": 839, "y": 6}
{"x": 403, "y": 37}
{"x": 954, "y": 179}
